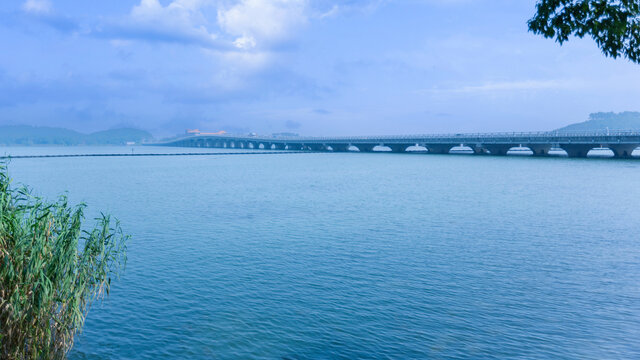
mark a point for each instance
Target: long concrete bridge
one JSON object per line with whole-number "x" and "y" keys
{"x": 575, "y": 144}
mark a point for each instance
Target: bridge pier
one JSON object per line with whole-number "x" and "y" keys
{"x": 439, "y": 149}
{"x": 340, "y": 147}
{"x": 317, "y": 147}
{"x": 499, "y": 150}
{"x": 539, "y": 149}
{"x": 477, "y": 149}
{"x": 622, "y": 151}
{"x": 366, "y": 147}
{"x": 398, "y": 148}
{"x": 576, "y": 150}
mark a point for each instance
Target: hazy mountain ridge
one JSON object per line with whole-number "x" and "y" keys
{"x": 627, "y": 120}
{"x": 31, "y": 135}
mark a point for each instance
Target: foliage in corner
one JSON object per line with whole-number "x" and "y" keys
{"x": 613, "y": 24}
{"x": 50, "y": 271}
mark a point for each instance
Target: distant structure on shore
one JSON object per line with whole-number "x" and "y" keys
{"x": 198, "y": 132}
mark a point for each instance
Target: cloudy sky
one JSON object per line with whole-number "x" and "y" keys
{"x": 316, "y": 67}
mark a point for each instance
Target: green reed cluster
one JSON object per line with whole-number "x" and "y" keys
{"x": 51, "y": 270}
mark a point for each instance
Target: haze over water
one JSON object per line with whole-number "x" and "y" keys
{"x": 342, "y": 256}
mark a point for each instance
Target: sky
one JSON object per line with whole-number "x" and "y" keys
{"x": 313, "y": 67}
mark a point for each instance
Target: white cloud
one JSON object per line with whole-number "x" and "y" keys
{"x": 245, "y": 42}
{"x": 179, "y": 21}
{"x": 243, "y": 25}
{"x": 263, "y": 21}
{"x": 242, "y": 35}
{"x": 37, "y": 6}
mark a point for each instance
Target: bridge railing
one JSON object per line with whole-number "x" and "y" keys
{"x": 493, "y": 135}
{"x": 538, "y": 134}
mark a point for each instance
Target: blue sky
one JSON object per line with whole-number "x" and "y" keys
{"x": 314, "y": 67}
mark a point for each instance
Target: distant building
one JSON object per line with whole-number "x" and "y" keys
{"x": 198, "y": 132}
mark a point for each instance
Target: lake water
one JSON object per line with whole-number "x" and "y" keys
{"x": 370, "y": 256}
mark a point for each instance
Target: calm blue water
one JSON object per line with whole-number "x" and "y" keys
{"x": 371, "y": 256}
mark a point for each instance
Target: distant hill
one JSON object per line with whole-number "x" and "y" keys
{"x": 118, "y": 136}
{"x": 628, "y": 120}
{"x": 31, "y": 135}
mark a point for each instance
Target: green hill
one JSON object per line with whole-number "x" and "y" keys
{"x": 31, "y": 135}
{"x": 628, "y": 120}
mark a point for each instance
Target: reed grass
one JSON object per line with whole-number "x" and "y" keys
{"x": 51, "y": 271}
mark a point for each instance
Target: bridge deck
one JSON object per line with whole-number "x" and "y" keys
{"x": 576, "y": 144}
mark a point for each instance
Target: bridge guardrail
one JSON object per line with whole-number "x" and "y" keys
{"x": 452, "y": 136}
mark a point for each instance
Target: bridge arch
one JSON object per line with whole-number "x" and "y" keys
{"x": 318, "y": 147}
{"x": 499, "y": 149}
{"x": 463, "y": 149}
{"x": 539, "y": 149}
{"x": 439, "y": 148}
{"x": 416, "y": 148}
{"x": 623, "y": 150}
{"x": 365, "y": 147}
{"x": 340, "y": 147}
{"x": 398, "y": 148}
{"x": 577, "y": 150}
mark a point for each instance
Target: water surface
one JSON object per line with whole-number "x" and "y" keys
{"x": 373, "y": 256}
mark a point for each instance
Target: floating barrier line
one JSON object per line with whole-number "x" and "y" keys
{"x": 151, "y": 154}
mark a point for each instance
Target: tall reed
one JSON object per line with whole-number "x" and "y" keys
{"x": 51, "y": 270}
